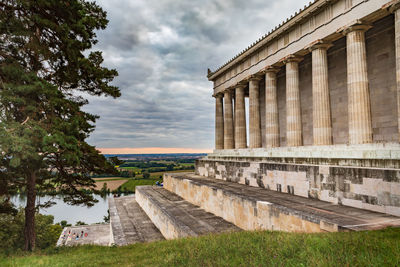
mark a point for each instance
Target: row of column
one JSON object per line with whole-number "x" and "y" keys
{"x": 231, "y": 131}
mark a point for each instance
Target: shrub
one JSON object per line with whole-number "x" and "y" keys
{"x": 12, "y": 231}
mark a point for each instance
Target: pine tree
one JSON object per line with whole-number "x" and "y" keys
{"x": 44, "y": 74}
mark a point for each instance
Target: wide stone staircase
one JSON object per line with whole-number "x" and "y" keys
{"x": 155, "y": 213}
{"x": 129, "y": 223}
{"x": 190, "y": 205}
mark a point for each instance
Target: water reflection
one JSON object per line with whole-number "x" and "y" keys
{"x": 72, "y": 214}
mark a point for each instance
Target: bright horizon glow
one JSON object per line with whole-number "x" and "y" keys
{"x": 152, "y": 150}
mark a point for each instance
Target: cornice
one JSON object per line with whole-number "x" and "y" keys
{"x": 282, "y": 28}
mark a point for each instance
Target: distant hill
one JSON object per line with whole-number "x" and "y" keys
{"x": 157, "y": 156}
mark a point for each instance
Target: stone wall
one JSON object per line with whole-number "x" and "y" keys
{"x": 382, "y": 79}
{"x": 337, "y": 72}
{"x": 281, "y": 93}
{"x": 376, "y": 189}
{"x": 305, "y": 79}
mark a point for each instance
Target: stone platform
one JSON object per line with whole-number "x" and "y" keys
{"x": 176, "y": 217}
{"x": 361, "y": 176}
{"x": 254, "y": 208}
{"x": 129, "y": 223}
{"x": 96, "y": 234}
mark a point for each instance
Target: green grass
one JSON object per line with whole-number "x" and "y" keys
{"x": 131, "y": 184}
{"x": 109, "y": 179}
{"x": 139, "y": 170}
{"x": 130, "y": 168}
{"x": 162, "y": 161}
{"x": 156, "y": 175}
{"x": 186, "y": 164}
{"x": 374, "y": 248}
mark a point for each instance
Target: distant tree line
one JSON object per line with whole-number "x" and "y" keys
{"x": 143, "y": 165}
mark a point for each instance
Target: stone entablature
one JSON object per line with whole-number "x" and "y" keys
{"x": 322, "y": 20}
{"x": 328, "y": 22}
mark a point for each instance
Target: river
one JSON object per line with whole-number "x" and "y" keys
{"x": 72, "y": 214}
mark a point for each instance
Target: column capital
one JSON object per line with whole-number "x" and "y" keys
{"x": 254, "y": 77}
{"x": 272, "y": 69}
{"x": 229, "y": 89}
{"x": 241, "y": 84}
{"x": 356, "y": 25}
{"x": 218, "y": 95}
{"x": 291, "y": 58}
{"x": 318, "y": 44}
{"x": 392, "y": 6}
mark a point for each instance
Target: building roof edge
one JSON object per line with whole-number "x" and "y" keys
{"x": 303, "y": 13}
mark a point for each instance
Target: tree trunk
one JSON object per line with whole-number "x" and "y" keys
{"x": 29, "y": 231}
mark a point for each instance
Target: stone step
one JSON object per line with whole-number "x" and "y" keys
{"x": 254, "y": 208}
{"x": 129, "y": 223}
{"x": 176, "y": 217}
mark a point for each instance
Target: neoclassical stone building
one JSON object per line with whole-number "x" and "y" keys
{"x": 324, "y": 107}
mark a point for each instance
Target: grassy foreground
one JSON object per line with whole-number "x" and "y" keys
{"x": 374, "y": 248}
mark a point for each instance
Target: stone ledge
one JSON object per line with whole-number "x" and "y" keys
{"x": 252, "y": 208}
{"x": 388, "y": 151}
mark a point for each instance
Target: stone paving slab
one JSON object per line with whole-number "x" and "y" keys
{"x": 176, "y": 217}
{"x": 347, "y": 218}
{"x": 129, "y": 223}
{"x": 96, "y": 234}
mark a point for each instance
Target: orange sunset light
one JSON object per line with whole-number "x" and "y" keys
{"x": 152, "y": 150}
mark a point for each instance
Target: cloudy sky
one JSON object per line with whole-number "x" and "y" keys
{"x": 162, "y": 49}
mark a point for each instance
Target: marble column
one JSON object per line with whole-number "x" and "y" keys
{"x": 219, "y": 122}
{"x": 240, "y": 117}
{"x": 396, "y": 11}
{"x": 254, "y": 111}
{"x": 228, "y": 121}
{"x": 322, "y": 122}
{"x": 359, "y": 103}
{"x": 271, "y": 108}
{"x": 294, "y": 134}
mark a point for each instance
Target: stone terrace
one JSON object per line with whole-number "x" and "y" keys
{"x": 253, "y": 208}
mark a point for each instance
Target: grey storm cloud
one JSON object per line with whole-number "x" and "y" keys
{"x": 162, "y": 49}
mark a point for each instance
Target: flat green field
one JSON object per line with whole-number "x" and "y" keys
{"x": 156, "y": 175}
{"x": 131, "y": 168}
{"x": 373, "y": 248}
{"x": 131, "y": 184}
{"x": 109, "y": 179}
{"x": 186, "y": 164}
